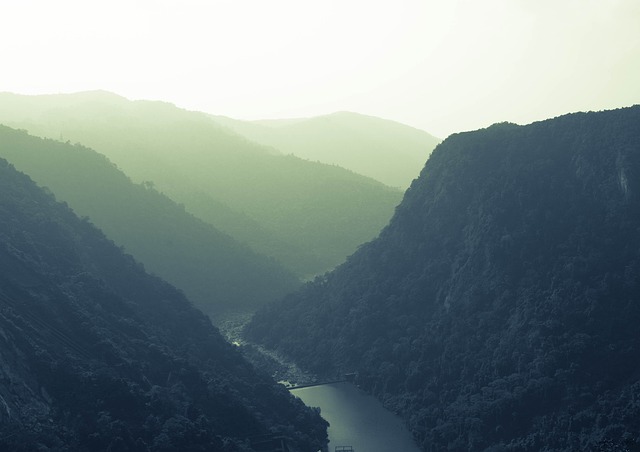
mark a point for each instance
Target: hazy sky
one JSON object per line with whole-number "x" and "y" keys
{"x": 440, "y": 65}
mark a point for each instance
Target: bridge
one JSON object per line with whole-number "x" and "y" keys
{"x": 348, "y": 378}
{"x": 310, "y": 385}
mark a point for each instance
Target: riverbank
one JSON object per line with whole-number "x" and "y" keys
{"x": 280, "y": 368}
{"x": 357, "y": 419}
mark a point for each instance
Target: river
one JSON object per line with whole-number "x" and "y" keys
{"x": 357, "y": 419}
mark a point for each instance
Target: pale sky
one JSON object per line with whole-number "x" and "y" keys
{"x": 440, "y": 65}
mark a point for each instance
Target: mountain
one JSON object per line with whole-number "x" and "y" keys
{"x": 307, "y": 215}
{"x": 499, "y": 310}
{"x": 214, "y": 270}
{"x": 96, "y": 354}
{"x": 387, "y": 151}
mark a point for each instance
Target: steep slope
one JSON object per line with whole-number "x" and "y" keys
{"x": 499, "y": 309}
{"x": 95, "y": 354}
{"x": 215, "y": 272}
{"x": 307, "y": 215}
{"x": 387, "y": 151}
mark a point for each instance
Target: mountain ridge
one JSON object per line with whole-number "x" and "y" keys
{"x": 96, "y": 354}
{"x": 388, "y": 151}
{"x": 309, "y": 216}
{"x": 497, "y": 310}
{"x": 214, "y": 270}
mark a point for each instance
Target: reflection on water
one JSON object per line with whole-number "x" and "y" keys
{"x": 357, "y": 419}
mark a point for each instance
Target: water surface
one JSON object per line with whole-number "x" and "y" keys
{"x": 357, "y": 419}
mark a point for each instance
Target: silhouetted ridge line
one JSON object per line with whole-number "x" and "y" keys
{"x": 499, "y": 309}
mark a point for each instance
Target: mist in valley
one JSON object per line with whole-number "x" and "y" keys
{"x": 223, "y": 224}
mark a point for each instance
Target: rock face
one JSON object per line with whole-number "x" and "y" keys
{"x": 95, "y": 354}
{"x": 499, "y": 309}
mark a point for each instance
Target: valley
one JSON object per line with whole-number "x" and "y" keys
{"x": 494, "y": 308}
{"x": 99, "y": 355}
{"x": 324, "y": 226}
{"x": 308, "y": 216}
{"x": 355, "y": 418}
{"x": 477, "y": 314}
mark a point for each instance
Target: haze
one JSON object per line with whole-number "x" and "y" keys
{"x": 442, "y": 66}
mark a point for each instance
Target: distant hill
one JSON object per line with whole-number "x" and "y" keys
{"x": 97, "y": 355}
{"x": 214, "y": 270}
{"x": 499, "y": 309}
{"x": 307, "y": 215}
{"x": 387, "y": 151}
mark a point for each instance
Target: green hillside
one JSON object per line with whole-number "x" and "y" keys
{"x": 97, "y": 355}
{"x": 387, "y": 151}
{"x": 307, "y": 215}
{"x": 213, "y": 269}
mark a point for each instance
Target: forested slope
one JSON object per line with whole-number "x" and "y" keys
{"x": 214, "y": 270}
{"x": 307, "y": 215}
{"x": 387, "y": 151}
{"x": 499, "y": 309}
{"x": 95, "y": 354}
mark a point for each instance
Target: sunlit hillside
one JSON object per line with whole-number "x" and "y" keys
{"x": 215, "y": 271}
{"x": 387, "y": 151}
{"x": 307, "y": 215}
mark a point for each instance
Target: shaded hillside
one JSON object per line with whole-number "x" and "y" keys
{"x": 309, "y": 216}
{"x": 215, "y": 272}
{"x": 387, "y": 151}
{"x": 95, "y": 354}
{"x": 499, "y": 309}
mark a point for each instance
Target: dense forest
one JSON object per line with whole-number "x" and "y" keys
{"x": 387, "y": 151}
{"x": 499, "y": 309}
{"x": 96, "y": 354}
{"x": 307, "y": 215}
{"x": 215, "y": 272}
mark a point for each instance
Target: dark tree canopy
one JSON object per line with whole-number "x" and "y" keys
{"x": 95, "y": 354}
{"x": 499, "y": 309}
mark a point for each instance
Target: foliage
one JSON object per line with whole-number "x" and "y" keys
{"x": 215, "y": 271}
{"x": 98, "y": 355}
{"x": 307, "y": 215}
{"x": 499, "y": 309}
